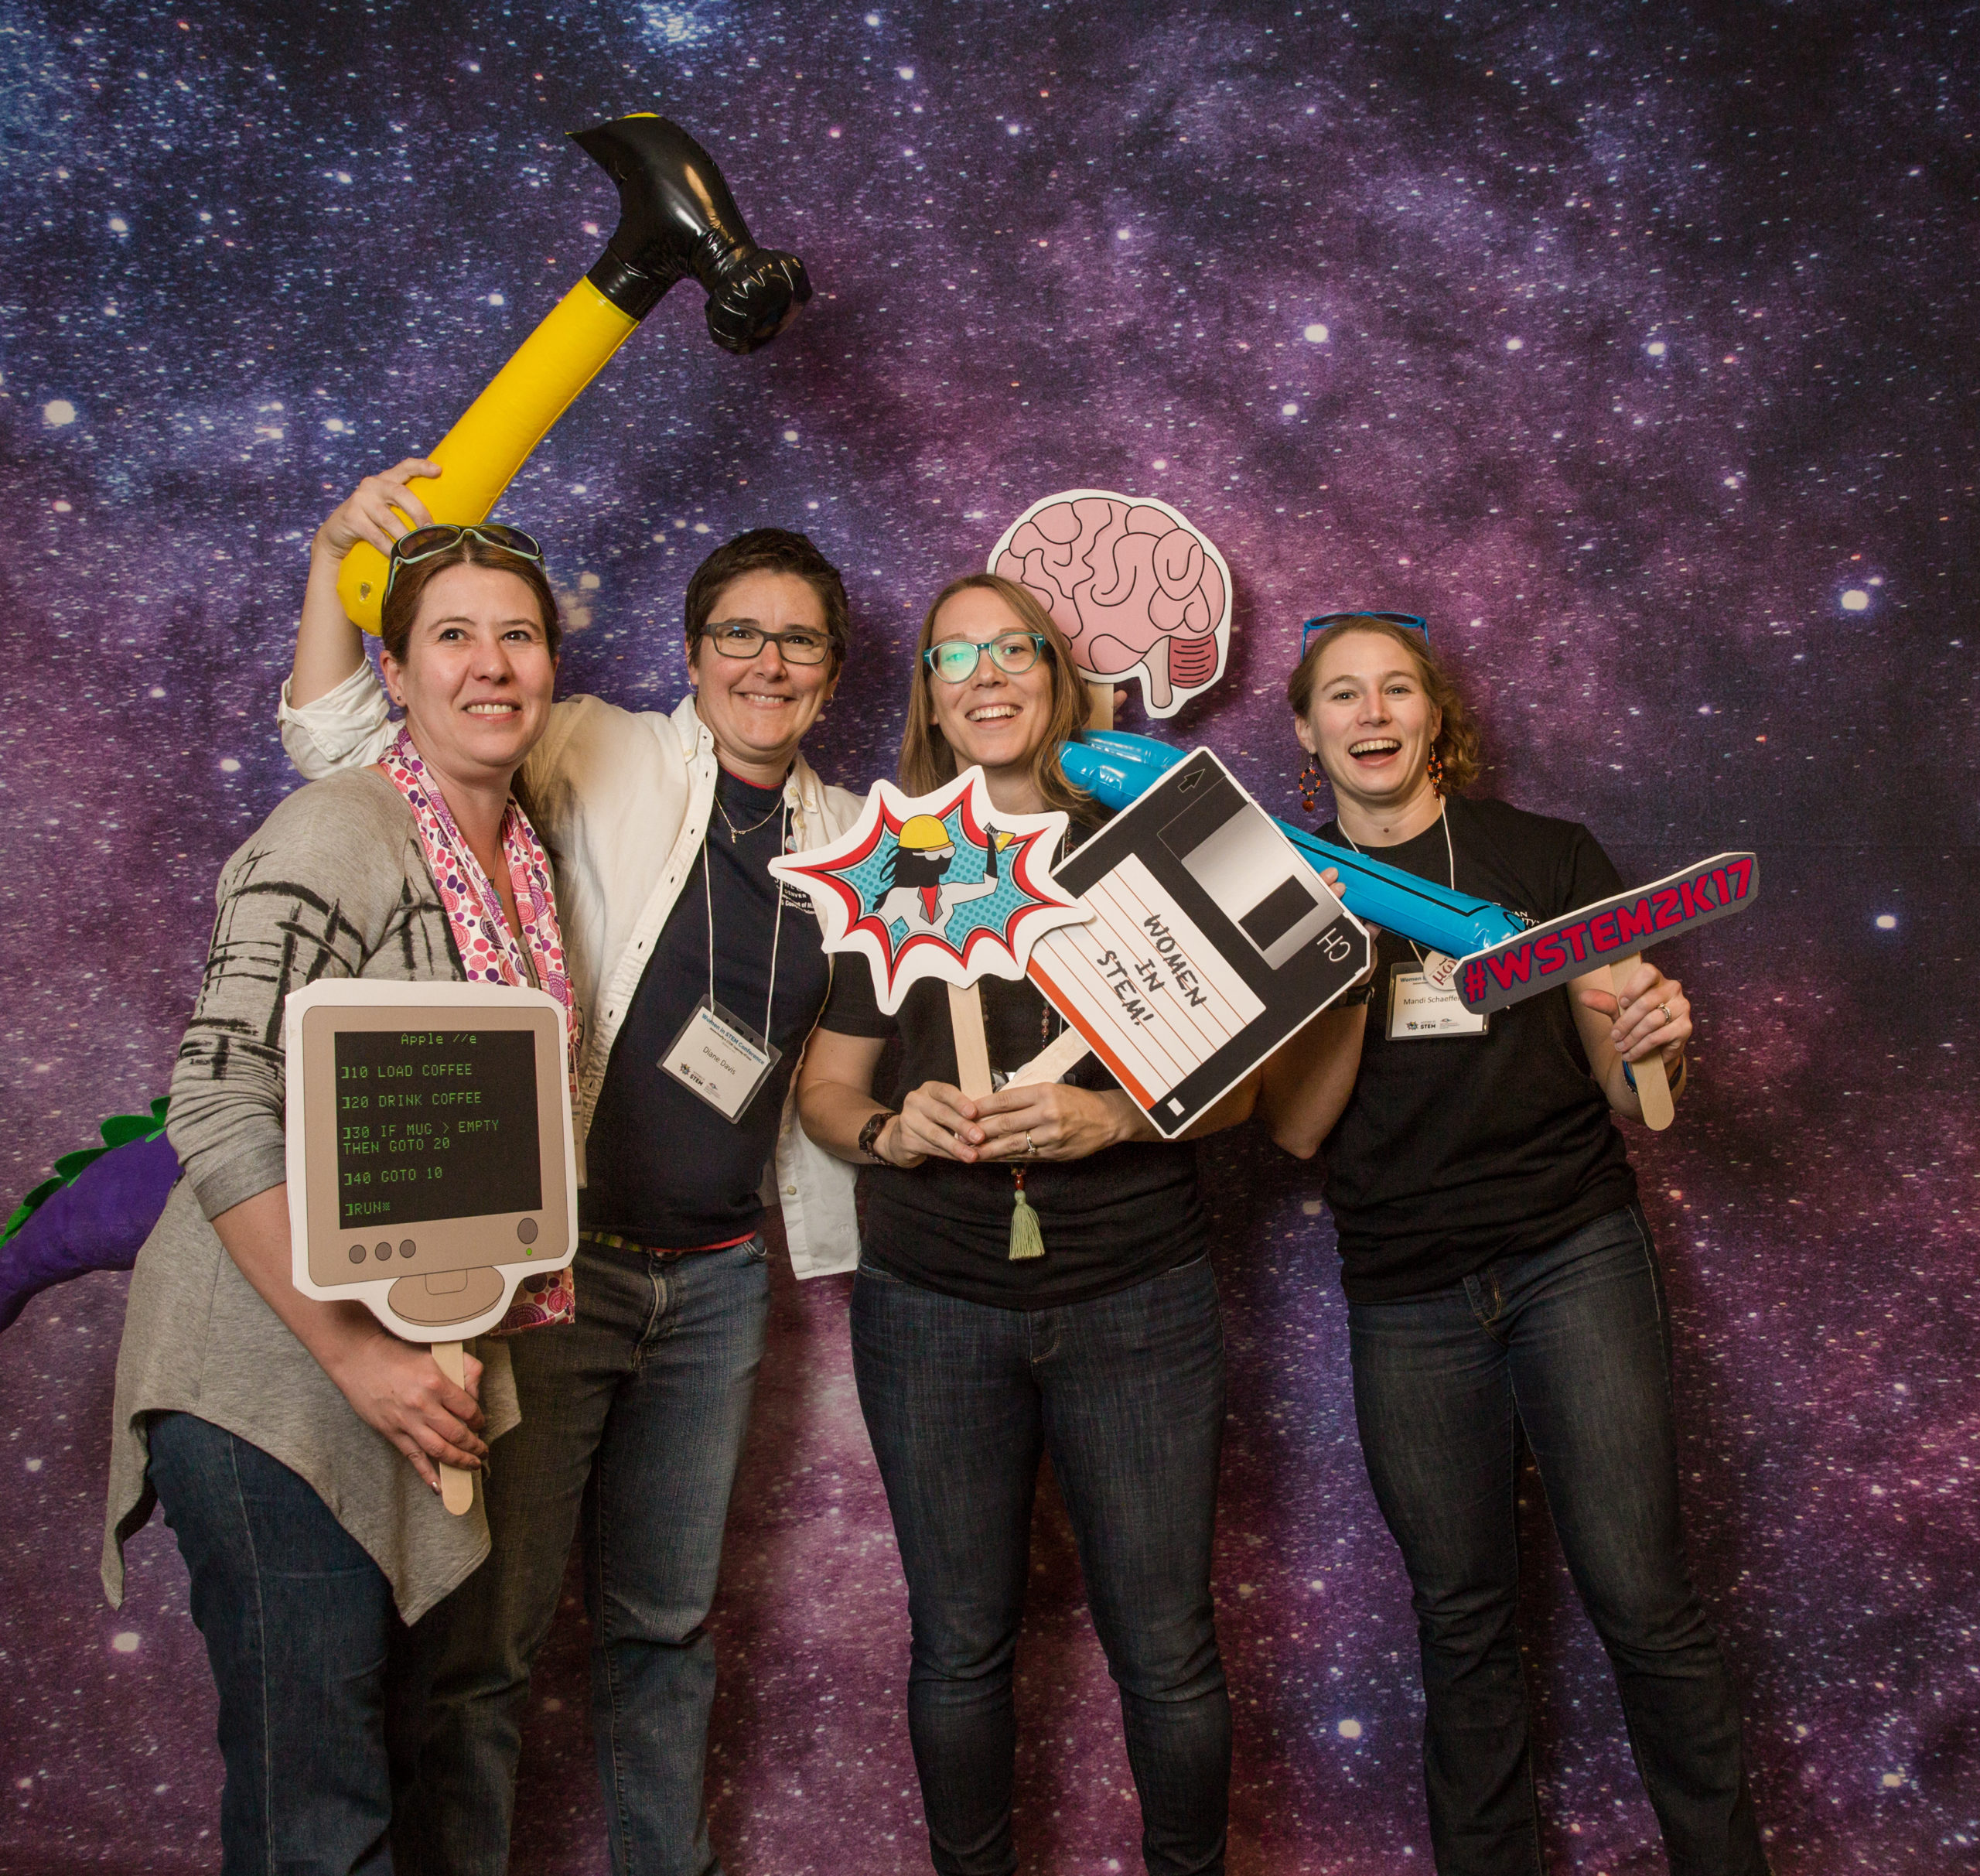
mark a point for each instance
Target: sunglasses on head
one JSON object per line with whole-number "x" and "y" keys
{"x": 1409, "y": 620}
{"x": 423, "y": 543}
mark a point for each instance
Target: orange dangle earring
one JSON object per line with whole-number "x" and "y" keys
{"x": 1310, "y": 779}
{"x": 1434, "y": 771}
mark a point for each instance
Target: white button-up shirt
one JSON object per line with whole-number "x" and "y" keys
{"x": 623, "y": 800}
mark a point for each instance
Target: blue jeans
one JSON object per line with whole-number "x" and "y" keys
{"x": 320, "y": 1683}
{"x": 1126, "y": 1393}
{"x": 1570, "y": 1343}
{"x": 633, "y": 1419}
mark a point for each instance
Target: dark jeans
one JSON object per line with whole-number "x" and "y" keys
{"x": 634, "y": 1418}
{"x": 321, "y": 1684}
{"x": 1570, "y": 1343}
{"x": 1126, "y": 1393}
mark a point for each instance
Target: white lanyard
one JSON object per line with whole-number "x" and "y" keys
{"x": 1450, "y": 855}
{"x": 1423, "y": 1004}
{"x": 715, "y": 1057}
{"x": 776, "y": 925}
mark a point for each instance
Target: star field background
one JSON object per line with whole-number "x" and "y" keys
{"x": 1631, "y": 343}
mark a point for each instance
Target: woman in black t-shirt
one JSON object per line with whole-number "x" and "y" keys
{"x": 1107, "y": 1351}
{"x": 1500, "y": 1277}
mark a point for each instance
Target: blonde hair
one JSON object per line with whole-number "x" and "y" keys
{"x": 926, "y": 760}
{"x": 1458, "y": 739}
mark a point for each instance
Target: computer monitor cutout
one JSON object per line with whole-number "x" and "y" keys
{"x": 431, "y": 1164}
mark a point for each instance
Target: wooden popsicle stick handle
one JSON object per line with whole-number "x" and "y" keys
{"x": 972, "y": 1048}
{"x": 1653, "y": 1084}
{"x": 457, "y": 1485}
{"x": 1052, "y": 1061}
{"x": 1100, "y": 699}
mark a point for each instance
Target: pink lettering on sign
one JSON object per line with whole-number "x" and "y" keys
{"x": 1613, "y": 929}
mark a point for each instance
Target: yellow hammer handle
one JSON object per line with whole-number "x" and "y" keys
{"x": 479, "y": 456}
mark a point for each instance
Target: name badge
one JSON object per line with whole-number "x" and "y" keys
{"x": 1419, "y": 1011}
{"x": 719, "y": 1057}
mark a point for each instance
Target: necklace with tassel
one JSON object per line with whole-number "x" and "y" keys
{"x": 1027, "y": 1238}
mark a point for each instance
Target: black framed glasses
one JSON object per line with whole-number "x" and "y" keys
{"x": 1409, "y": 620}
{"x": 420, "y": 544}
{"x": 954, "y": 660}
{"x": 801, "y": 645}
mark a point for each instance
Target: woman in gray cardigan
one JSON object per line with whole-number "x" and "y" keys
{"x": 292, "y": 1443}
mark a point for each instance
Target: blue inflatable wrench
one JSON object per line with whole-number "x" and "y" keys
{"x": 1116, "y": 768}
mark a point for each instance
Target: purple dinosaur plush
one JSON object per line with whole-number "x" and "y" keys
{"x": 97, "y": 1221}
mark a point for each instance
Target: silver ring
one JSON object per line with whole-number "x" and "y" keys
{"x": 1666, "y": 1009}
{"x": 1030, "y": 1145}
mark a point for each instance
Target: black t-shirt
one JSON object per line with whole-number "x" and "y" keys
{"x": 1118, "y": 1218}
{"x": 1455, "y": 1151}
{"x": 662, "y": 1167}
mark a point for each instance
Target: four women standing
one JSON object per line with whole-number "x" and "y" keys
{"x": 1499, "y": 1274}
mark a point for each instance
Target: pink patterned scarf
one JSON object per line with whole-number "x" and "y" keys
{"x": 491, "y": 953}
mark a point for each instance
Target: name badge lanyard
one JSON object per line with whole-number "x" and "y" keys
{"x": 717, "y": 1056}
{"x": 1422, "y": 1004}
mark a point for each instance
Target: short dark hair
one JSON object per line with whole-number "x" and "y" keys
{"x": 769, "y": 550}
{"x": 401, "y": 604}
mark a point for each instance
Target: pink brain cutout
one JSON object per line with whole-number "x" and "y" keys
{"x": 1132, "y": 583}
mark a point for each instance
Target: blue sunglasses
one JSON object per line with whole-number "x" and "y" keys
{"x": 1409, "y": 620}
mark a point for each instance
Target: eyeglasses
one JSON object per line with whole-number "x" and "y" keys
{"x": 1409, "y": 620}
{"x": 954, "y": 660}
{"x": 423, "y": 543}
{"x": 801, "y": 647}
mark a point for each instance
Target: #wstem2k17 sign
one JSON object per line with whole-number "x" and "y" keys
{"x": 1608, "y": 931}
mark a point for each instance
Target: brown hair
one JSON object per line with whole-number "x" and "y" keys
{"x": 401, "y": 605}
{"x": 926, "y": 760}
{"x": 1458, "y": 741}
{"x": 769, "y": 550}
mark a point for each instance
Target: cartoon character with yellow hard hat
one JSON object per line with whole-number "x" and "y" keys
{"x": 916, "y": 868}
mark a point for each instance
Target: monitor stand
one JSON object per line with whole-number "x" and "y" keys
{"x": 445, "y": 1296}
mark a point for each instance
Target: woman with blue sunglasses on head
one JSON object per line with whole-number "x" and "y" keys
{"x": 1106, "y": 1352}
{"x": 1501, "y": 1282}
{"x": 633, "y": 1415}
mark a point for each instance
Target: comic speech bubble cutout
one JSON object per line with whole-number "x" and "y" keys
{"x": 1137, "y": 588}
{"x": 936, "y": 886}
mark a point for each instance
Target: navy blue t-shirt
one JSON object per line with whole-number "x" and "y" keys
{"x": 662, "y": 1167}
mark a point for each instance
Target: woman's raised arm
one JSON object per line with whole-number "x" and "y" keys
{"x": 328, "y": 647}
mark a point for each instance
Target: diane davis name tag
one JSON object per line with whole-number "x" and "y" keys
{"x": 1421, "y": 1010}
{"x": 720, "y": 1057}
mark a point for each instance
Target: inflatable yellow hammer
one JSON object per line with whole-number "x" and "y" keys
{"x": 676, "y": 216}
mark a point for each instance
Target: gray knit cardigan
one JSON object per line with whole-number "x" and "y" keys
{"x": 333, "y": 884}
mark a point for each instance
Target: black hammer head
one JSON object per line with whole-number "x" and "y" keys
{"x": 677, "y": 218}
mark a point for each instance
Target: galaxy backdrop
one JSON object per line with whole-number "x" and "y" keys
{"x": 1633, "y": 344}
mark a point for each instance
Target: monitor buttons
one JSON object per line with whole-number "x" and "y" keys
{"x": 358, "y": 1253}
{"x": 406, "y": 1247}
{"x": 381, "y": 1251}
{"x": 526, "y": 1231}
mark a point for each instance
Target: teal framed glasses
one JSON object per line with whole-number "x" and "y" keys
{"x": 954, "y": 660}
